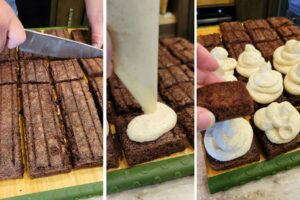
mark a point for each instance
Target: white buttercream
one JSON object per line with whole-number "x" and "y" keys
{"x": 292, "y": 81}
{"x": 287, "y": 56}
{"x": 279, "y": 121}
{"x": 266, "y": 85}
{"x": 229, "y": 77}
{"x": 229, "y": 139}
{"x": 225, "y": 63}
{"x": 149, "y": 127}
{"x": 250, "y": 61}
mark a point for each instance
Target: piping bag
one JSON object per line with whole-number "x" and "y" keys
{"x": 134, "y": 28}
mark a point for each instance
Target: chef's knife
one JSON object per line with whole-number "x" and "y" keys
{"x": 49, "y": 45}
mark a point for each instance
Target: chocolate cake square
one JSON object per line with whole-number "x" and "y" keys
{"x": 236, "y": 37}
{"x": 92, "y": 66}
{"x": 166, "y": 59}
{"x": 226, "y": 100}
{"x": 122, "y": 98}
{"x": 211, "y": 40}
{"x": 231, "y": 27}
{"x": 251, "y": 156}
{"x": 136, "y": 152}
{"x": 35, "y": 71}
{"x": 83, "y": 126}
{"x": 8, "y": 72}
{"x": 83, "y": 36}
{"x": 236, "y": 49}
{"x": 45, "y": 137}
{"x": 113, "y": 152}
{"x": 276, "y": 22}
{"x": 8, "y": 55}
{"x": 263, "y": 35}
{"x": 270, "y": 149}
{"x": 66, "y": 70}
{"x": 176, "y": 96}
{"x": 186, "y": 120}
{"x": 286, "y": 31}
{"x": 256, "y": 24}
{"x": 11, "y": 162}
{"x": 267, "y": 48}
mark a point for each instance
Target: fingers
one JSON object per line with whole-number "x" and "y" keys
{"x": 205, "y": 119}
{"x": 97, "y": 37}
{"x": 205, "y": 60}
{"x": 16, "y": 34}
{"x": 3, "y": 36}
{"x": 206, "y": 77}
{"x": 109, "y": 56}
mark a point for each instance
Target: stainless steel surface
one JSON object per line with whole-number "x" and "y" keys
{"x": 48, "y": 45}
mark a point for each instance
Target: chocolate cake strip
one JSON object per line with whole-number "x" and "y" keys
{"x": 136, "y": 153}
{"x": 185, "y": 118}
{"x": 8, "y": 72}
{"x": 11, "y": 164}
{"x": 84, "y": 129}
{"x": 113, "y": 152}
{"x": 66, "y": 70}
{"x": 83, "y": 36}
{"x": 176, "y": 97}
{"x": 45, "y": 137}
{"x": 8, "y": 55}
{"x": 236, "y": 37}
{"x": 276, "y": 22}
{"x": 210, "y": 40}
{"x": 231, "y": 26}
{"x": 92, "y": 66}
{"x": 35, "y": 71}
{"x": 263, "y": 35}
{"x": 97, "y": 89}
{"x": 166, "y": 59}
{"x": 256, "y": 24}
{"x": 267, "y": 48}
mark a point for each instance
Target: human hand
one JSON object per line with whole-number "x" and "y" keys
{"x": 94, "y": 9}
{"x": 206, "y": 66}
{"x": 12, "y": 31}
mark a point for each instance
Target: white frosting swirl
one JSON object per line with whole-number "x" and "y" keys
{"x": 287, "y": 56}
{"x": 149, "y": 127}
{"x": 225, "y": 63}
{"x": 292, "y": 81}
{"x": 250, "y": 61}
{"x": 280, "y": 121}
{"x": 266, "y": 85}
{"x": 228, "y": 140}
{"x": 229, "y": 77}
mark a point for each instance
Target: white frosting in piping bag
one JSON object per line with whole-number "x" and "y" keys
{"x": 228, "y": 140}
{"x": 280, "y": 121}
{"x": 250, "y": 61}
{"x": 149, "y": 127}
{"x": 292, "y": 81}
{"x": 287, "y": 56}
{"x": 266, "y": 85}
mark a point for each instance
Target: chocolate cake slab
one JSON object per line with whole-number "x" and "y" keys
{"x": 251, "y": 156}
{"x": 63, "y": 33}
{"x": 96, "y": 85}
{"x": 92, "y": 66}
{"x": 66, "y": 70}
{"x": 227, "y": 100}
{"x": 210, "y": 40}
{"x": 231, "y": 26}
{"x": 11, "y": 164}
{"x": 256, "y": 24}
{"x": 34, "y": 71}
{"x": 8, "y": 72}
{"x": 263, "y": 35}
{"x": 276, "y": 22}
{"x": 47, "y": 150}
{"x": 83, "y": 36}
{"x": 113, "y": 152}
{"x": 123, "y": 100}
{"x": 272, "y": 150}
{"x": 83, "y": 126}
{"x": 136, "y": 153}
{"x": 267, "y": 48}
{"x": 235, "y": 37}
{"x": 8, "y": 55}
{"x": 186, "y": 120}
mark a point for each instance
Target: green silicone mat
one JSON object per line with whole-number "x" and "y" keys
{"x": 252, "y": 172}
{"x": 150, "y": 173}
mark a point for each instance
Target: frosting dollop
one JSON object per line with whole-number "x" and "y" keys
{"x": 279, "y": 121}
{"x": 225, "y": 63}
{"x": 250, "y": 61}
{"x": 287, "y": 56}
{"x": 228, "y": 140}
{"x": 149, "y": 127}
{"x": 266, "y": 85}
{"x": 292, "y": 81}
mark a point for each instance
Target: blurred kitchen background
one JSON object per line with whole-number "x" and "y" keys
{"x": 210, "y": 12}
{"x": 176, "y": 16}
